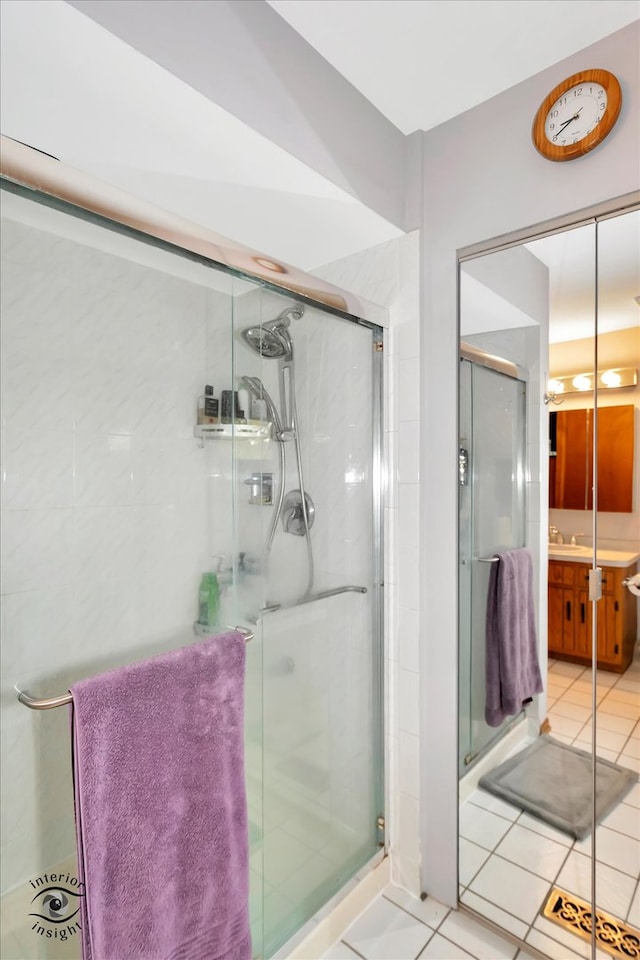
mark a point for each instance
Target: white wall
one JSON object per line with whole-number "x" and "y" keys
{"x": 483, "y": 179}
{"x": 247, "y": 59}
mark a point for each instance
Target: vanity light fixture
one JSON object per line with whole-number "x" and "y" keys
{"x": 615, "y": 379}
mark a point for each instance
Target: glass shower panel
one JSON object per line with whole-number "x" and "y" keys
{"x": 317, "y": 605}
{"x": 492, "y": 518}
{"x": 113, "y": 507}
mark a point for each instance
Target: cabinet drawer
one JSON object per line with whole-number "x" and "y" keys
{"x": 561, "y": 572}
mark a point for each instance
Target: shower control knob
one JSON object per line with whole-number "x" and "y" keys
{"x": 293, "y": 513}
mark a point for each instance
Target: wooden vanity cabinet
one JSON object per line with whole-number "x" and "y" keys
{"x": 569, "y": 615}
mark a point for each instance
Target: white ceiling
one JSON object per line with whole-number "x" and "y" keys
{"x": 421, "y": 62}
{"x": 74, "y": 90}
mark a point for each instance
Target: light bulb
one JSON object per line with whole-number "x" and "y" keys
{"x": 611, "y": 378}
{"x": 555, "y": 386}
{"x": 582, "y": 382}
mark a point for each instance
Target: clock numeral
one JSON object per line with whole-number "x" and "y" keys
{"x": 552, "y": 126}
{"x": 577, "y": 92}
{"x": 600, "y": 94}
{"x": 554, "y": 113}
{"x": 602, "y": 106}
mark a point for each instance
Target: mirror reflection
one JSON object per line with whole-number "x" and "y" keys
{"x": 528, "y": 555}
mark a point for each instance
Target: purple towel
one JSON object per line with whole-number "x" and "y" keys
{"x": 161, "y": 816}
{"x": 513, "y": 671}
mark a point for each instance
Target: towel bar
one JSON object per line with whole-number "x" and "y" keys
{"x": 48, "y": 703}
{"x": 488, "y": 559}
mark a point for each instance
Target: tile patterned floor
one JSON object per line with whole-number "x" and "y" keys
{"x": 397, "y": 926}
{"x": 509, "y": 860}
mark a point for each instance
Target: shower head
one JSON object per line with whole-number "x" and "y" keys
{"x": 257, "y": 389}
{"x": 271, "y": 340}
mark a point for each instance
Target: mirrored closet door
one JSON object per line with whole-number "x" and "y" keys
{"x": 549, "y": 690}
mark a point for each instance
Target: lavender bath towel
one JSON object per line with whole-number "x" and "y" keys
{"x": 513, "y": 672}
{"x": 161, "y": 815}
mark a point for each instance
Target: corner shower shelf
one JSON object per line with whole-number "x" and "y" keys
{"x": 258, "y": 430}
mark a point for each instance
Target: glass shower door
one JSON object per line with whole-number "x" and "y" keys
{"x": 317, "y": 603}
{"x": 492, "y": 517}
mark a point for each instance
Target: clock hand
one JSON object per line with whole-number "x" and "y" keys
{"x": 566, "y": 123}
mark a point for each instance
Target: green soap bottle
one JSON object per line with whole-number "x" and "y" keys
{"x": 209, "y": 600}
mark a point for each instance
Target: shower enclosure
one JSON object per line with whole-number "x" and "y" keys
{"x": 116, "y": 501}
{"x": 492, "y": 497}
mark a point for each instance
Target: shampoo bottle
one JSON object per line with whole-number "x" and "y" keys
{"x": 209, "y": 601}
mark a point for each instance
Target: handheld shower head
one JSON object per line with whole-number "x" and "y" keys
{"x": 258, "y": 391}
{"x": 271, "y": 339}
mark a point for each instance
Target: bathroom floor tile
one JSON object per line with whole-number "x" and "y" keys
{"x": 482, "y": 827}
{"x": 483, "y": 944}
{"x": 518, "y": 891}
{"x": 386, "y": 932}
{"x": 573, "y": 711}
{"x": 604, "y": 738}
{"x": 578, "y": 697}
{"x": 573, "y": 670}
{"x": 626, "y": 696}
{"x": 429, "y": 910}
{"x": 495, "y": 914}
{"x": 542, "y": 856}
{"x": 551, "y": 947}
{"x": 614, "y": 889}
{"x": 439, "y": 948}
{"x": 618, "y": 708}
{"x": 470, "y": 859}
{"x": 570, "y": 728}
{"x": 608, "y": 721}
{"x": 616, "y": 849}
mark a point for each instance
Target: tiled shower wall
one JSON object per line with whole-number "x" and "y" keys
{"x": 389, "y": 276}
{"x": 103, "y": 494}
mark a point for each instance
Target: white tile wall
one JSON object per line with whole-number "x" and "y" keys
{"x": 103, "y": 496}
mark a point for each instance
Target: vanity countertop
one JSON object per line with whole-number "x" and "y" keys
{"x": 609, "y": 557}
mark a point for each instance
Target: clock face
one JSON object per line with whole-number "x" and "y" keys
{"x": 575, "y": 114}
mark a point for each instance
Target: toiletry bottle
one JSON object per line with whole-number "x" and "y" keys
{"x": 230, "y": 411}
{"x": 210, "y": 405}
{"x": 209, "y": 600}
{"x": 227, "y": 405}
{"x": 207, "y": 406}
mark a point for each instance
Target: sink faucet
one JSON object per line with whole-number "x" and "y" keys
{"x": 573, "y": 538}
{"x": 555, "y": 536}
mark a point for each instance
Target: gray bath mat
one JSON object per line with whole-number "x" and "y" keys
{"x": 553, "y": 782}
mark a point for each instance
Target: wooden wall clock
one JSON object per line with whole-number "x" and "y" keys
{"x": 577, "y": 115}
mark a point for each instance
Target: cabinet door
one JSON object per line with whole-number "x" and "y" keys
{"x": 572, "y": 473}
{"x": 615, "y": 459}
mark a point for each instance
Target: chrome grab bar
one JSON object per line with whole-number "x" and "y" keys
{"x": 488, "y": 559}
{"x": 48, "y": 703}
{"x": 311, "y": 598}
